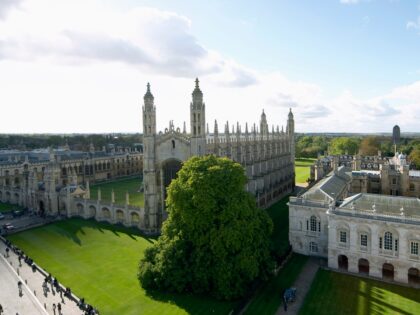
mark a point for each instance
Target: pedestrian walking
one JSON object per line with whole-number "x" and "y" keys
{"x": 7, "y": 252}
{"x": 20, "y": 261}
{"x": 59, "y": 308}
{"x": 1, "y": 309}
{"x": 54, "y": 307}
{"x": 20, "y": 287}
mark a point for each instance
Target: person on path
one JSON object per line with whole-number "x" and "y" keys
{"x": 20, "y": 287}
{"x": 1, "y": 309}
{"x": 7, "y": 252}
{"x": 59, "y": 308}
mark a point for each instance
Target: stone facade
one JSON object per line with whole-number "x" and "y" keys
{"x": 373, "y": 174}
{"x": 268, "y": 157}
{"x": 40, "y": 180}
{"x": 364, "y": 233}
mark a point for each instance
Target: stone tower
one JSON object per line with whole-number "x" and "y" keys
{"x": 290, "y": 129}
{"x": 197, "y": 122}
{"x": 264, "y": 125}
{"x": 149, "y": 171}
{"x": 396, "y": 137}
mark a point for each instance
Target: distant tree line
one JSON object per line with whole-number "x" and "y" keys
{"x": 76, "y": 142}
{"x": 311, "y": 146}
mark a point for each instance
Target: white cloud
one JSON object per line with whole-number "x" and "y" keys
{"x": 7, "y": 5}
{"x": 349, "y": 1}
{"x": 414, "y": 24}
{"x": 79, "y": 66}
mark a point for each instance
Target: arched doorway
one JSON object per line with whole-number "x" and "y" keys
{"x": 170, "y": 169}
{"x": 92, "y": 211}
{"x": 414, "y": 276}
{"x": 363, "y": 266}
{"x": 120, "y": 216}
{"x": 388, "y": 271}
{"x": 343, "y": 262}
{"x": 41, "y": 208}
{"x": 80, "y": 209}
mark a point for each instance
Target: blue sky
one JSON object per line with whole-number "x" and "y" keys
{"x": 364, "y": 46}
{"x": 328, "y": 60}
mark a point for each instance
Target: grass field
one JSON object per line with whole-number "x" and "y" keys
{"x": 279, "y": 213}
{"x": 99, "y": 261}
{"x": 334, "y": 293}
{"x": 269, "y": 298}
{"x": 302, "y": 169}
{"x": 132, "y": 185}
{"x": 7, "y": 207}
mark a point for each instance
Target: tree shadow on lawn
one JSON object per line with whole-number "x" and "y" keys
{"x": 194, "y": 303}
{"x": 71, "y": 227}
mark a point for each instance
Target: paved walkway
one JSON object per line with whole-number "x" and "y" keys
{"x": 302, "y": 284}
{"x": 33, "y": 301}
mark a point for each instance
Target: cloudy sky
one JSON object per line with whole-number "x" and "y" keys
{"x": 83, "y": 66}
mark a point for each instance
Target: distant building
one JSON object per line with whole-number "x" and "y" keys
{"x": 373, "y": 174}
{"x": 396, "y": 133}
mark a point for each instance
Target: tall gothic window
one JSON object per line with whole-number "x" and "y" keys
{"x": 388, "y": 241}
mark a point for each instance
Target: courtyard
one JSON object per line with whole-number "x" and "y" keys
{"x": 120, "y": 187}
{"x": 336, "y": 293}
{"x": 302, "y": 169}
{"x": 98, "y": 261}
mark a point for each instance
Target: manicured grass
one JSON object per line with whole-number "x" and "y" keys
{"x": 302, "y": 169}
{"x": 279, "y": 213}
{"x": 4, "y": 206}
{"x": 269, "y": 298}
{"x": 334, "y": 293}
{"x": 99, "y": 261}
{"x": 131, "y": 185}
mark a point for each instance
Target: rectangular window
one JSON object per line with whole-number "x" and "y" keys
{"x": 343, "y": 237}
{"x": 396, "y": 245}
{"x": 363, "y": 240}
{"x": 307, "y": 225}
{"x": 414, "y": 248}
{"x": 319, "y": 226}
{"x": 380, "y": 242}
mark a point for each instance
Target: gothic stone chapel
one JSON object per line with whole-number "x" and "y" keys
{"x": 267, "y": 157}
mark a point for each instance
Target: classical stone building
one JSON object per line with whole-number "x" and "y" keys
{"x": 39, "y": 180}
{"x": 267, "y": 156}
{"x": 372, "y": 234}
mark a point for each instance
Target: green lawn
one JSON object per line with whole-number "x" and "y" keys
{"x": 335, "y": 293}
{"x": 132, "y": 185}
{"x": 4, "y": 206}
{"x": 279, "y": 213}
{"x": 269, "y": 298}
{"x": 99, "y": 261}
{"x": 302, "y": 169}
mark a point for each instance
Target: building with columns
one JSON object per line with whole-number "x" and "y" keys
{"x": 371, "y": 234}
{"x": 267, "y": 156}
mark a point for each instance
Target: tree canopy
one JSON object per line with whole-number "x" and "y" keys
{"x": 344, "y": 145}
{"x": 215, "y": 239}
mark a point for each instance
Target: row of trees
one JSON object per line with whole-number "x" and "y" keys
{"x": 77, "y": 142}
{"x": 311, "y": 146}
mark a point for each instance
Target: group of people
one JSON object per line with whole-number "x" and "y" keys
{"x": 49, "y": 279}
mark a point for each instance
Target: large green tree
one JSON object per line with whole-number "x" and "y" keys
{"x": 343, "y": 145}
{"x": 215, "y": 239}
